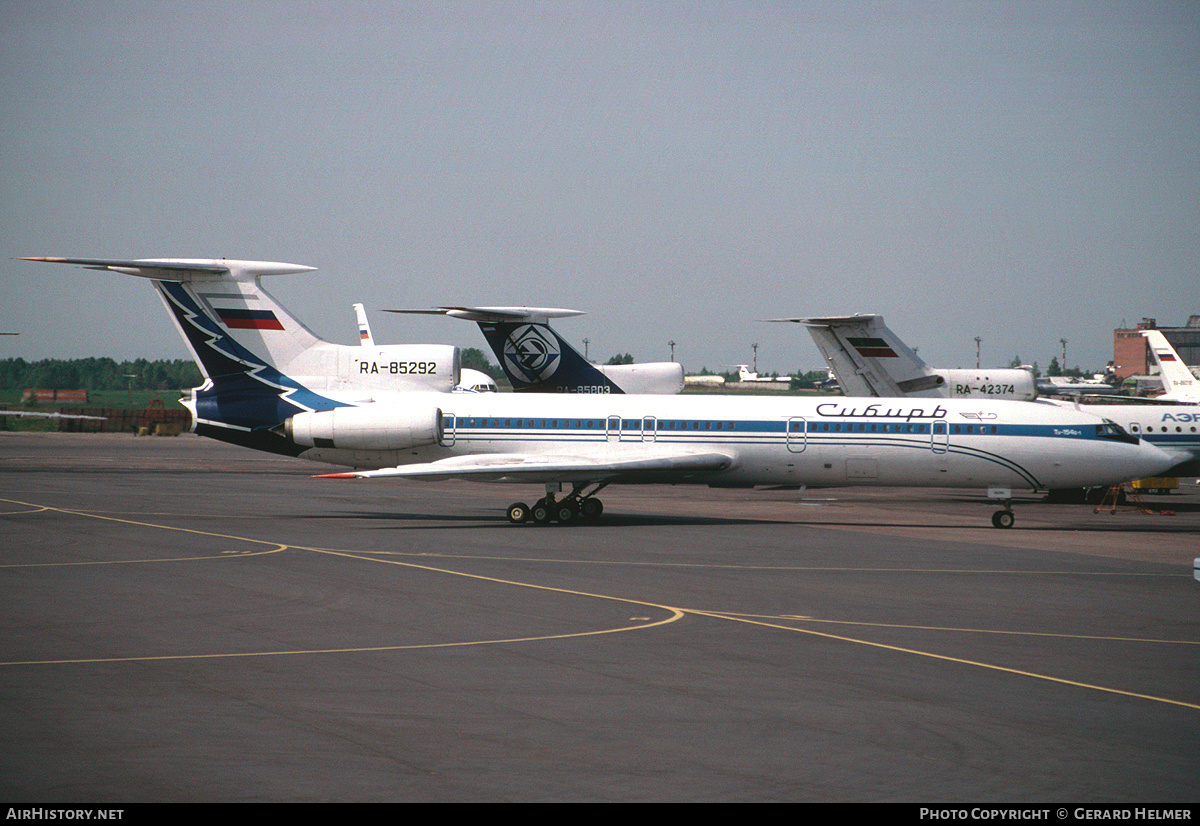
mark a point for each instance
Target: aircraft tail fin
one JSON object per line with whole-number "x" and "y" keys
{"x": 1177, "y": 379}
{"x": 253, "y": 353}
{"x": 364, "y": 328}
{"x": 221, "y": 309}
{"x": 533, "y": 356}
{"x": 868, "y": 358}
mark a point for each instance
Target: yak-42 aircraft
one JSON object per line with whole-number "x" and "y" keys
{"x": 538, "y": 360}
{"x": 273, "y": 385}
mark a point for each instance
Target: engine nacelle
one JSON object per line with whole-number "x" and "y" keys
{"x": 651, "y": 377}
{"x": 371, "y": 427}
{"x": 403, "y": 367}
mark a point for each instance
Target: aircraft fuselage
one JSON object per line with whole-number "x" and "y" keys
{"x": 771, "y": 441}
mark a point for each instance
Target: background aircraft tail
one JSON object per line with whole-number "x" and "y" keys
{"x": 1177, "y": 378}
{"x": 364, "y": 328}
{"x": 870, "y": 360}
{"x": 867, "y": 357}
{"x": 536, "y": 359}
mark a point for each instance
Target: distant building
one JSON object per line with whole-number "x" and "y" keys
{"x": 1131, "y": 355}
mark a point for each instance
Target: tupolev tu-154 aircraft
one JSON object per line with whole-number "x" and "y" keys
{"x": 271, "y": 384}
{"x": 1171, "y": 422}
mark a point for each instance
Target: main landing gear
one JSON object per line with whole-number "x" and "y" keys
{"x": 1002, "y": 518}
{"x": 573, "y": 508}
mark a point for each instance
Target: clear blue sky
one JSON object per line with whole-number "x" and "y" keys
{"x": 1023, "y": 172}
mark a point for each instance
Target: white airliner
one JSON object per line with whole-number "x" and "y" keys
{"x": 271, "y": 384}
{"x": 1177, "y": 379}
{"x": 538, "y": 360}
{"x": 1173, "y": 427}
{"x": 748, "y": 375}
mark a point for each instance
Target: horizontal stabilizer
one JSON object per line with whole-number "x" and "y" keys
{"x": 828, "y": 321}
{"x": 181, "y": 269}
{"x": 496, "y": 314}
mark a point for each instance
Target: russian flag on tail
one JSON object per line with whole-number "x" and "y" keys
{"x": 249, "y": 319}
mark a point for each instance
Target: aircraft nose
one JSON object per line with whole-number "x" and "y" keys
{"x": 1152, "y": 460}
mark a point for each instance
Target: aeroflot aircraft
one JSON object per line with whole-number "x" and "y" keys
{"x": 273, "y": 385}
{"x": 1177, "y": 379}
{"x": 538, "y": 360}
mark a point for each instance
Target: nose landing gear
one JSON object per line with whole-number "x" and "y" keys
{"x": 1002, "y": 518}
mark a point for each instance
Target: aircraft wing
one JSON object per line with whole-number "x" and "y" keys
{"x": 536, "y": 468}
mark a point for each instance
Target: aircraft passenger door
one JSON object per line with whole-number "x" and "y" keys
{"x": 448, "y": 424}
{"x": 648, "y": 429}
{"x": 940, "y": 437}
{"x": 612, "y": 429}
{"x": 797, "y": 434}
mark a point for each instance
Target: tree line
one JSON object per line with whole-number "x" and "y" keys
{"x": 98, "y": 374}
{"x": 162, "y": 374}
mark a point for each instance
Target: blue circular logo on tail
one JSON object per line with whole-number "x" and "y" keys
{"x": 532, "y": 354}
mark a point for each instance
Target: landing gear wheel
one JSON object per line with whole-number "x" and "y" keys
{"x": 591, "y": 509}
{"x": 518, "y": 513}
{"x": 1003, "y": 519}
{"x": 542, "y": 512}
{"x": 565, "y": 512}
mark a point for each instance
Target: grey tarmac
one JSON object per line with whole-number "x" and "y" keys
{"x": 188, "y": 621}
